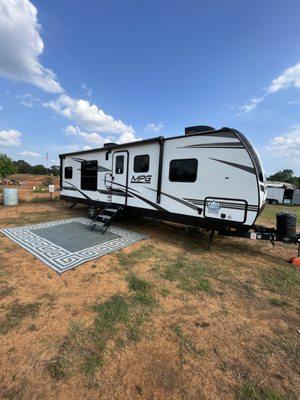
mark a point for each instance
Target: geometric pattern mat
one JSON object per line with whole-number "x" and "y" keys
{"x": 65, "y": 244}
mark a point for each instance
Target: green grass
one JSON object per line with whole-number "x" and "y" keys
{"x": 278, "y": 302}
{"x": 185, "y": 345}
{"x": 136, "y": 284}
{"x": 249, "y": 391}
{"x": 127, "y": 260}
{"x": 17, "y": 312}
{"x": 145, "y": 299}
{"x": 269, "y": 213}
{"x": 190, "y": 275}
{"x": 282, "y": 280}
{"x": 117, "y": 322}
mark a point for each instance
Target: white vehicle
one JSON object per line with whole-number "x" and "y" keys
{"x": 279, "y": 193}
{"x": 205, "y": 178}
{"x": 296, "y": 197}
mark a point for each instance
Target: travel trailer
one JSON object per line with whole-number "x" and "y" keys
{"x": 279, "y": 193}
{"x": 210, "y": 178}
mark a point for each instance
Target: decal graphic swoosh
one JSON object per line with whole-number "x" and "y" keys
{"x": 239, "y": 166}
{"x": 83, "y": 194}
{"x": 221, "y": 145}
{"x": 134, "y": 193}
{"x": 179, "y": 200}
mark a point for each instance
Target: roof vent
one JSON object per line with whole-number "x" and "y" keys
{"x": 190, "y": 130}
{"x": 109, "y": 144}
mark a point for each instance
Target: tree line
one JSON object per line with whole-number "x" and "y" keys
{"x": 287, "y": 176}
{"x": 8, "y": 167}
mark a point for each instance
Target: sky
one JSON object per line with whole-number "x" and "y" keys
{"x": 76, "y": 74}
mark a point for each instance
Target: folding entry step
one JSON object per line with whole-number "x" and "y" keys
{"x": 105, "y": 218}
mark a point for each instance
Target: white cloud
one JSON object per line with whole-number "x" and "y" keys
{"x": 250, "y": 105}
{"x": 28, "y": 100}
{"x": 21, "y": 46}
{"x": 289, "y": 77}
{"x": 287, "y": 147}
{"x": 29, "y": 154}
{"x": 89, "y": 118}
{"x": 154, "y": 127}
{"x": 1, "y": 108}
{"x": 91, "y": 138}
{"x": 95, "y": 140}
{"x": 10, "y": 138}
{"x": 127, "y": 137}
{"x": 88, "y": 91}
{"x": 87, "y": 147}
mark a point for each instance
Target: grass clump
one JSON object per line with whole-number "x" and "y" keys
{"x": 136, "y": 284}
{"x": 16, "y": 314}
{"x": 142, "y": 291}
{"x": 249, "y": 391}
{"x": 282, "y": 280}
{"x": 185, "y": 345}
{"x": 5, "y": 291}
{"x": 278, "y": 302}
{"x": 191, "y": 276}
{"x": 127, "y": 260}
{"x": 109, "y": 314}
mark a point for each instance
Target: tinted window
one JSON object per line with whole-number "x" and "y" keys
{"x": 141, "y": 163}
{"x": 89, "y": 174}
{"x": 119, "y": 164}
{"x": 183, "y": 170}
{"x": 68, "y": 172}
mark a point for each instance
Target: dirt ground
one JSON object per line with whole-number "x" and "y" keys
{"x": 162, "y": 319}
{"x": 25, "y": 191}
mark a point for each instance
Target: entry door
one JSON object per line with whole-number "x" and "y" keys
{"x": 120, "y": 177}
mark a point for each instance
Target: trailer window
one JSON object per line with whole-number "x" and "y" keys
{"x": 119, "y": 164}
{"x": 183, "y": 170}
{"x": 89, "y": 174}
{"x": 68, "y": 172}
{"x": 141, "y": 163}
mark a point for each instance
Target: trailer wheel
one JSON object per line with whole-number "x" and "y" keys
{"x": 274, "y": 202}
{"x": 92, "y": 211}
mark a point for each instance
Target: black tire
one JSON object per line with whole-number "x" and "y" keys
{"x": 274, "y": 202}
{"x": 92, "y": 211}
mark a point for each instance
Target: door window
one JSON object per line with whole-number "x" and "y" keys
{"x": 119, "y": 165}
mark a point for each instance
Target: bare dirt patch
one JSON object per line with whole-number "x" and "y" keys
{"x": 162, "y": 319}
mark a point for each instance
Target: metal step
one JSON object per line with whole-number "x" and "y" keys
{"x": 108, "y": 219}
{"x": 111, "y": 209}
{"x": 98, "y": 223}
{"x": 104, "y": 216}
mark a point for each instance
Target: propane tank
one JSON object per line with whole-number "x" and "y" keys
{"x": 286, "y": 224}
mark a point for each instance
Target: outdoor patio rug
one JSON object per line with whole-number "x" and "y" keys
{"x": 67, "y": 243}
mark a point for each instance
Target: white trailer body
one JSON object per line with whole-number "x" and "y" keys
{"x": 280, "y": 192}
{"x": 275, "y": 195}
{"x": 296, "y": 197}
{"x": 207, "y": 179}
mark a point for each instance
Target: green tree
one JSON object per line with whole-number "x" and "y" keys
{"x": 286, "y": 175}
{"x": 39, "y": 169}
{"x": 23, "y": 167}
{"x": 7, "y": 166}
{"x": 54, "y": 170}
